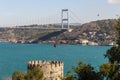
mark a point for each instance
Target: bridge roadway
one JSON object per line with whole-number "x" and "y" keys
{"x": 36, "y": 28}
{"x": 33, "y": 28}
{"x": 41, "y": 28}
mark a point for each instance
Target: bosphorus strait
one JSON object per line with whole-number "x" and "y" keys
{"x": 15, "y": 56}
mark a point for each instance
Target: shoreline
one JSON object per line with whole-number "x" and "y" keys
{"x": 53, "y": 43}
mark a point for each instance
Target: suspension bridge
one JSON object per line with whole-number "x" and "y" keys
{"x": 63, "y": 23}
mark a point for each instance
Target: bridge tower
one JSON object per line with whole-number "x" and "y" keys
{"x": 64, "y": 18}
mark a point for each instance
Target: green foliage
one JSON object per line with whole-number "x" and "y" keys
{"x": 110, "y": 71}
{"x": 33, "y": 74}
{"x": 68, "y": 76}
{"x": 18, "y": 75}
{"x": 117, "y": 26}
{"x": 86, "y": 72}
{"x": 113, "y": 54}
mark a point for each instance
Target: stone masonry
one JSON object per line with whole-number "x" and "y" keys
{"x": 52, "y": 70}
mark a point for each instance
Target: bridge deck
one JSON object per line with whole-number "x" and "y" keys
{"x": 36, "y": 28}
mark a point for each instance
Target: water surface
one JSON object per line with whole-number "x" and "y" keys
{"x": 15, "y": 56}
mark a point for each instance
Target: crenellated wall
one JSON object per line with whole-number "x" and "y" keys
{"x": 52, "y": 70}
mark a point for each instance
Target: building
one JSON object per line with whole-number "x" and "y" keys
{"x": 52, "y": 70}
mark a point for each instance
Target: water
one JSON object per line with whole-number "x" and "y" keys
{"x": 15, "y": 56}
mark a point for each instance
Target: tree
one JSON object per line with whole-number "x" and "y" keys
{"x": 117, "y": 27}
{"x": 34, "y": 74}
{"x": 113, "y": 54}
{"x": 68, "y": 76}
{"x": 86, "y": 72}
{"x": 110, "y": 71}
{"x": 18, "y": 75}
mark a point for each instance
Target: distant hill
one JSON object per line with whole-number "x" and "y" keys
{"x": 97, "y": 31}
{"x": 101, "y": 31}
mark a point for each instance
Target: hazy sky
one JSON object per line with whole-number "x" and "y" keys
{"x": 16, "y": 12}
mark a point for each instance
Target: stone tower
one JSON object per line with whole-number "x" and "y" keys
{"x": 52, "y": 70}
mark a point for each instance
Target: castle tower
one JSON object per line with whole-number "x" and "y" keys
{"x": 52, "y": 70}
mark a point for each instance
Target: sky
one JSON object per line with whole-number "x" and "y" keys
{"x": 23, "y": 12}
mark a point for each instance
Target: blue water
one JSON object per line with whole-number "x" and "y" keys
{"x": 15, "y": 56}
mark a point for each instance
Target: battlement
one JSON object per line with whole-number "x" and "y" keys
{"x": 52, "y": 70}
{"x": 37, "y": 63}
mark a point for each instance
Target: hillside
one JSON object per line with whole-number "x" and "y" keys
{"x": 101, "y": 32}
{"x": 21, "y": 35}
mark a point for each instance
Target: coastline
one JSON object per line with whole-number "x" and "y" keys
{"x": 52, "y": 42}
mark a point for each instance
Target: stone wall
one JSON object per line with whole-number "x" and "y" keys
{"x": 52, "y": 70}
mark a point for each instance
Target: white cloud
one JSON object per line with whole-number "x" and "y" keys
{"x": 113, "y": 1}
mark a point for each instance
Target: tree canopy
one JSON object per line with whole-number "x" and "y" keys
{"x": 110, "y": 71}
{"x": 117, "y": 27}
{"x": 33, "y": 74}
{"x": 113, "y": 54}
{"x": 17, "y": 75}
{"x": 68, "y": 76}
{"x": 86, "y": 72}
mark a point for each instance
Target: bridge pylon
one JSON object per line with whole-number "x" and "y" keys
{"x": 64, "y": 18}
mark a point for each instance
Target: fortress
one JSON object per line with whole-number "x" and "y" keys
{"x": 52, "y": 70}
